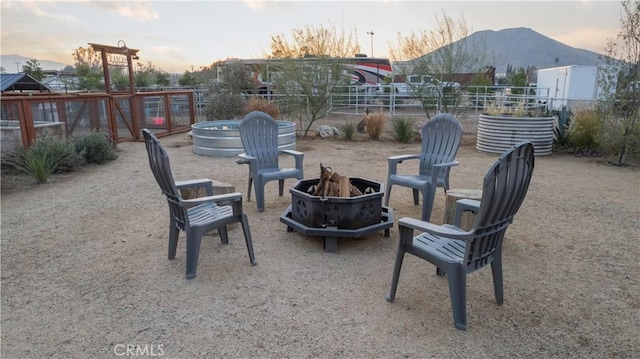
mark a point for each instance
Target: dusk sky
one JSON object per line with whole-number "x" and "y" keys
{"x": 176, "y": 35}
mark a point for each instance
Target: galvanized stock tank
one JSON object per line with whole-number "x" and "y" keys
{"x": 222, "y": 138}
{"x": 497, "y": 134}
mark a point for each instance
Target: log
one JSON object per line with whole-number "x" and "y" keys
{"x": 466, "y": 222}
{"x": 331, "y": 184}
{"x": 345, "y": 190}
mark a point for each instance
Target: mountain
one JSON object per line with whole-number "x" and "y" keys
{"x": 10, "y": 66}
{"x": 522, "y": 47}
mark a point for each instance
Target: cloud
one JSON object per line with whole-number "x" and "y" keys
{"x": 141, "y": 11}
{"x": 35, "y": 9}
{"x": 165, "y": 51}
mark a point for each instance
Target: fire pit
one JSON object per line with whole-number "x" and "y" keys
{"x": 334, "y": 217}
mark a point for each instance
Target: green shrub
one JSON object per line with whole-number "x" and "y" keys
{"x": 347, "y": 131}
{"x": 402, "y": 130}
{"x": 95, "y": 147}
{"x": 224, "y": 105}
{"x": 585, "y": 129}
{"x": 45, "y": 157}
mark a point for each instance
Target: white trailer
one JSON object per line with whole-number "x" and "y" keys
{"x": 568, "y": 85}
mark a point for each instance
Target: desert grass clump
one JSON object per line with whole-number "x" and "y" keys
{"x": 347, "y": 131}
{"x": 402, "y": 130}
{"x": 374, "y": 123}
{"x": 96, "y": 147}
{"x": 257, "y": 103}
{"x": 585, "y": 128}
{"x": 45, "y": 157}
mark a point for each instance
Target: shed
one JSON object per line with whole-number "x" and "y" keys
{"x": 20, "y": 82}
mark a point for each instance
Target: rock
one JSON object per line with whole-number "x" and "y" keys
{"x": 327, "y": 131}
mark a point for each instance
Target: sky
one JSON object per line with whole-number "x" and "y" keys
{"x": 177, "y": 36}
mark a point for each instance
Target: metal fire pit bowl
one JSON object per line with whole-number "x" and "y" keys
{"x": 335, "y": 217}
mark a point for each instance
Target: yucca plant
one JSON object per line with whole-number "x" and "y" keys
{"x": 347, "y": 131}
{"x": 402, "y": 130}
{"x": 45, "y": 157}
{"x": 562, "y": 136}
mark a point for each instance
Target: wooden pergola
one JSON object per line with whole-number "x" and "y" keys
{"x": 123, "y": 50}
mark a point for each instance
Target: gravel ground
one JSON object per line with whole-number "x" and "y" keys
{"x": 85, "y": 271}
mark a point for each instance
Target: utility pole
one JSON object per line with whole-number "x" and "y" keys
{"x": 17, "y": 65}
{"x": 371, "y": 33}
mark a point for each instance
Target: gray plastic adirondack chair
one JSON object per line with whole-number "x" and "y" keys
{"x": 441, "y": 138}
{"x": 259, "y": 135}
{"x": 194, "y": 216}
{"x": 458, "y": 253}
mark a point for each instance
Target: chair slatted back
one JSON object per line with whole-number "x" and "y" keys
{"x": 441, "y": 138}
{"x": 259, "y": 135}
{"x": 161, "y": 168}
{"x": 504, "y": 188}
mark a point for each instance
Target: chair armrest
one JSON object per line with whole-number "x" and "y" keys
{"x": 196, "y": 183}
{"x": 297, "y": 155}
{"x": 463, "y": 205}
{"x": 245, "y": 158}
{"x": 441, "y": 166}
{"x": 394, "y": 160}
{"x": 220, "y": 199}
{"x": 443, "y": 231}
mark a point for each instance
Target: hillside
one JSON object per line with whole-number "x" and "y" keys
{"x": 9, "y": 63}
{"x": 522, "y": 47}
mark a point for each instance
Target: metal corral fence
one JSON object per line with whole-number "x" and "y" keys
{"x": 355, "y": 100}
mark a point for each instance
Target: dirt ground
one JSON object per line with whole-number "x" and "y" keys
{"x": 85, "y": 272}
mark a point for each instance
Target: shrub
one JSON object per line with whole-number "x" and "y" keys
{"x": 95, "y": 147}
{"x": 403, "y": 130}
{"x": 347, "y": 131}
{"x": 374, "y": 123}
{"x": 223, "y": 105}
{"x": 45, "y": 157}
{"x": 586, "y": 125}
{"x": 257, "y": 103}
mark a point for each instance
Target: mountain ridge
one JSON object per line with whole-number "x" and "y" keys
{"x": 522, "y": 47}
{"x": 9, "y": 63}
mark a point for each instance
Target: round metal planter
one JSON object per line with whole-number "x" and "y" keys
{"x": 496, "y": 134}
{"x": 222, "y": 138}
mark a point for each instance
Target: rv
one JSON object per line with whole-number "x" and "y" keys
{"x": 358, "y": 70}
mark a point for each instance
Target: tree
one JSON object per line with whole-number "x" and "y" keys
{"x": 162, "y": 78}
{"x": 310, "y": 70}
{"x": 442, "y": 53}
{"x": 226, "y": 98}
{"x": 88, "y": 68}
{"x": 119, "y": 79}
{"x": 188, "y": 79}
{"x": 620, "y": 81}
{"x": 33, "y": 69}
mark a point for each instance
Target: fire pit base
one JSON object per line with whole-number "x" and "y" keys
{"x": 331, "y": 234}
